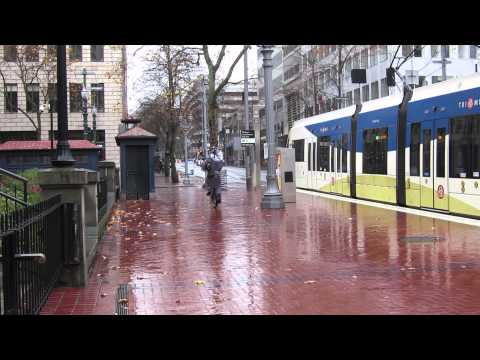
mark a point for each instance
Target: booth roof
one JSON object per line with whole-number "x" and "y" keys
{"x": 44, "y": 145}
{"x": 136, "y": 132}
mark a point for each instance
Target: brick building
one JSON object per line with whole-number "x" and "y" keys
{"x": 28, "y": 82}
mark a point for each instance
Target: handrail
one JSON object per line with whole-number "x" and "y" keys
{"x": 15, "y": 176}
{"x": 20, "y": 178}
{"x": 9, "y": 197}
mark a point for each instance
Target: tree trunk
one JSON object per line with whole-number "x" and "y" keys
{"x": 173, "y": 141}
{"x": 212, "y": 111}
{"x": 39, "y": 126}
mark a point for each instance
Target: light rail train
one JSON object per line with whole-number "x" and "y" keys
{"x": 419, "y": 150}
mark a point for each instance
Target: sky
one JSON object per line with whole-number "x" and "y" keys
{"x": 136, "y": 65}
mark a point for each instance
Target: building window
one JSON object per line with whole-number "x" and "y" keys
{"x": 31, "y": 53}
{"x": 75, "y": 97}
{"x": 422, "y": 81}
{"x": 299, "y": 146}
{"x": 374, "y": 87}
{"x": 51, "y": 51}
{"x": 364, "y": 59}
{"x": 434, "y": 51}
{"x": 33, "y": 98}
{"x": 52, "y": 97}
{"x": 344, "y": 152}
{"x": 323, "y": 150}
{"x": 356, "y": 63}
{"x": 356, "y": 96}
{"x": 291, "y": 72}
{"x": 10, "y": 53}
{"x": 96, "y": 52}
{"x": 406, "y": 50}
{"x": 373, "y": 55}
{"x": 365, "y": 93}
{"x": 465, "y": 147}
{"x": 383, "y": 53}
{"x": 349, "y": 98}
{"x": 375, "y": 151}
{"x": 75, "y": 52}
{"x": 98, "y": 97}
{"x": 473, "y": 52}
{"x": 384, "y": 87}
{"x": 11, "y": 98}
{"x": 446, "y": 51}
{"x": 461, "y": 51}
{"x": 418, "y": 51}
{"x": 415, "y": 149}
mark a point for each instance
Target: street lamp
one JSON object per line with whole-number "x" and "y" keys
{"x": 64, "y": 156}
{"x": 272, "y": 198}
{"x": 185, "y": 127}
{"x": 94, "y": 125}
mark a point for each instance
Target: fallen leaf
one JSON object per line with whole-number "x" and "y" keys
{"x": 104, "y": 257}
{"x": 354, "y": 276}
{"x": 123, "y": 301}
{"x": 103, "y": 295}
{"x": 199, "y": 282}
{"x": 309, "y": 282}
{"x": 178, "y": 301}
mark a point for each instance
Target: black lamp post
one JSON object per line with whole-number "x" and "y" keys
{"x": 64, "y": 156}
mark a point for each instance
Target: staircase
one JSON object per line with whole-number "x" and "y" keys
{"x": 13, "y": 191}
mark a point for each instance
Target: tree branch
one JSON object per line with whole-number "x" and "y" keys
{"x": 227, "y": 78}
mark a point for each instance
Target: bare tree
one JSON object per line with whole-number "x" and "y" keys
{"x": 28, "y": 63}
{"x": 214, "y": 90}
{"x": 169, "y": 72}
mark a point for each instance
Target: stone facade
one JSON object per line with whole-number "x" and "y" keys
{"x": 110, "y": 72}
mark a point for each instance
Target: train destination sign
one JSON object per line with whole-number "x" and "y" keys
{"x": 247, "y": 137}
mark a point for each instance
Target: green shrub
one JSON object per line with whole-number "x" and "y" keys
{"x": 7, "y": 185}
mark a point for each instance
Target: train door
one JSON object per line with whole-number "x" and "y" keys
{"x": 440, "y": 150}
{"x": 336, "y": 167}
{"x": 310, "y": 163}
{"x": 426, "y": 181}
{"x": 313, "y": 178}
{"x": 433, "y": 189}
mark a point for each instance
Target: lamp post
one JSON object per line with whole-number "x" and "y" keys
{"x": 205, "y": 84}
{"x": 64, "y": 156}
{"x": 272, "y": 198}
{"x": 185, "y": 127}
{"x": 85, "y": 104}
{"x": 248, "y": 172}
{"x": 94, "y": 124}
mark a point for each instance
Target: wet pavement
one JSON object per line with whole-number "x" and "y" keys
{"x": 318, "y": 256}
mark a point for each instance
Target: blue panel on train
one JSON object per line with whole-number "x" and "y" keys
{"x": 382, "y": 118}
{"x": 334, "y": 128}
{"x": 460, "y": 103}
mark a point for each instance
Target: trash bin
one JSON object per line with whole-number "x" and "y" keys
{"x": 286, "y": 174}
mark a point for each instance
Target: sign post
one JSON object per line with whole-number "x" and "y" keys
{"x": 247, "y": 137}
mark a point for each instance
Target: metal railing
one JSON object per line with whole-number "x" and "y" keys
{"x": 102, "y": 198}
{"x": 33, "y": 250}
{"x": 11, "y": 195}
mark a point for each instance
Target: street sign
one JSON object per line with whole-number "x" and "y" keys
{"x": 247, "y": 137}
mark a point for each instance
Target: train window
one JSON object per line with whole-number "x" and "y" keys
{"x": 475, "y": 147}
{"x": 441, "y": 132}
{"x": 344, "y": 152}
{"x": 323, "y": 149}
{"x": 299, "y": 146}
{"x": 465, "y": 147}
{"x": 338, "y": 156}
{"x": 332, "y": 156}
{"x": 375, "y": 151}
{"x": 309, "y": 156}
{"x": 314, "y": 157}
{"x": 427, "y": 136}
{"x": 415, "y": 150}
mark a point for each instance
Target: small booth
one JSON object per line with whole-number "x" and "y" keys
{"x": 286, "y": 174}
{"x": 137, "y": 167}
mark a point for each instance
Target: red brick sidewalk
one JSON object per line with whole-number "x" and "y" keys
{"x": 318, "y": 256}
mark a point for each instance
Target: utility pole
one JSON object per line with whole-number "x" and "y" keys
{"x": 248, "y": 172}
{"x": 444, "y": 62}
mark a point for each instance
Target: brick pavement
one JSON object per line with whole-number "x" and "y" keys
{"x": 318, "y": 256}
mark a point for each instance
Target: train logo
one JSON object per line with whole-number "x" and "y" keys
{"x": 470, "y": 103}
{"x": 440, "y": 192}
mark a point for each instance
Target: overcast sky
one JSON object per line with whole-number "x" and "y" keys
{"x": 136, "y": 66}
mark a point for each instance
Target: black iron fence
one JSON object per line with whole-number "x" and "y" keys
{"x": 102, "y": 198}
{"x": 33, "y": 246}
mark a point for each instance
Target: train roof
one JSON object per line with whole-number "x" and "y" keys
{"x": 438, "y": 89}
{"x": 446, "y": 87}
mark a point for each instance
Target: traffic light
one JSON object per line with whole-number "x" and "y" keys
{"x": 390, "y": 76}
